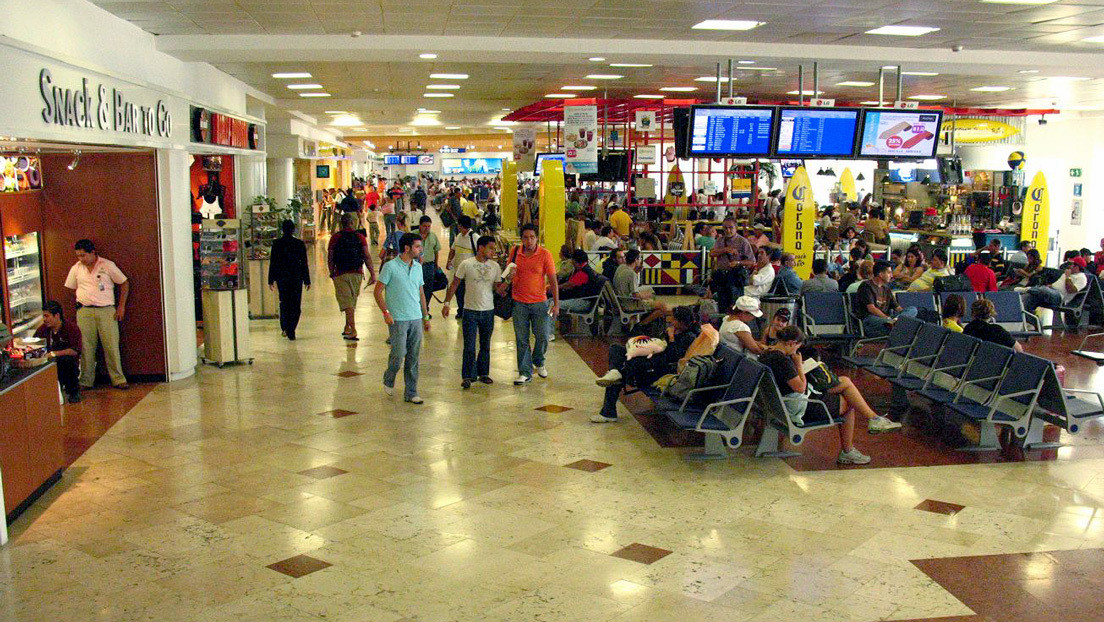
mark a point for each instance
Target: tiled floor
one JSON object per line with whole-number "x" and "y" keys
{"x": 207, "y": 499}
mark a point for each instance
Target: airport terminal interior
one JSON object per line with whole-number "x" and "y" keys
{"x": 362, "y": 310}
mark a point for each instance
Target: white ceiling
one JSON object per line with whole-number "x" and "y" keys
{"x": 517, "y": 51}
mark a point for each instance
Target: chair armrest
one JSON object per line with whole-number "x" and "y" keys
{"x": 980, "y": 380}
{"x": 718, "y": 405}
{"x": 921, "y": 358}
{"x": 949, "y": 367}
{"x": 1099, "y": 398}
{"x": 865, "y": 342}
{"x": 1031, "y": 318}
{"x": 691, "y": 392}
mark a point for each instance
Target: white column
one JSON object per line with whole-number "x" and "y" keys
{"x": 178, "y": 282}
{"x": 281, "y": 180}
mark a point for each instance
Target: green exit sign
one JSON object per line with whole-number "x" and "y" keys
{"x": 1075, "y": 172}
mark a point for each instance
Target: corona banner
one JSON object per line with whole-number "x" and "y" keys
{"x": 1036, "y": 216}
{"x": 797, "y": 222}
{"x": 553, "y": 212}
{"x": 510, "y": 197}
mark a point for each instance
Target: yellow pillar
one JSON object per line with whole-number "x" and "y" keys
{"x": 553, "y": 206}
{"x": 510, "y": 198}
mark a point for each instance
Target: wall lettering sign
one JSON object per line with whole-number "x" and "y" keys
{"x": 100, "y": 108}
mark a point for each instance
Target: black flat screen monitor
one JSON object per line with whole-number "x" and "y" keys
{"x": 816, "y": 132}
{"x": 731, "y": 131}
{"x": 900, "y": 133}
{"x": 680, "y": 123}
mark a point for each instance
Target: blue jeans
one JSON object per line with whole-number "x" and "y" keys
{"x": 530, "y": 316}
{"x": 477, "y": 324}
{"x": 1044, "y": 296}
{"x": 874, "y": 326}
{"x": 406, "y": 347}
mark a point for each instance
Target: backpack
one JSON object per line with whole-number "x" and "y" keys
{"x": 699, "y": 372}
{"x": 953, "y": 283}
{"x": 348, "y": 252}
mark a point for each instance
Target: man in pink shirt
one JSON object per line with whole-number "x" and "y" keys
{"x": 94, "y": 279}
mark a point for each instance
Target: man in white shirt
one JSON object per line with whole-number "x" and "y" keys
{"x": 461, "y": 249}
{"x": 93, "y": 280}
{"x": 1060, "y": 292}
{"x": 479, "y": 275}
{"x": 605, "y": 241}
{"x": 762, "y": 276}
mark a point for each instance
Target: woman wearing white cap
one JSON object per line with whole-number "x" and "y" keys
{"x": 735, "y": 331}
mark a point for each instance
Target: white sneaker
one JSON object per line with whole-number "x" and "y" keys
{"x": 852, "y": 457}
{"x": 388, "y": 390}
{"x": 881, "y": 423}
{"x": 603, "y": 419}
{"x": 552, "y": 337}
{"x": 611, "y": 378}
{"x": 522, "y": 379}
{"x": 414, "y": 400}
{"x": 542, "y": 371}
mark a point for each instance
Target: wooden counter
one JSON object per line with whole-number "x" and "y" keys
{"x": 32, "y": 436}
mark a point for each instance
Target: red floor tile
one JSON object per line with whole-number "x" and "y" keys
{"x": 299, "y": 566}
{"x": 589, "y": 466}
{"x": 641, "y": 553}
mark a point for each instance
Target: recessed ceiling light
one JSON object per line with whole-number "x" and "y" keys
{"x": 452, "y": 127}
{"x": 314, "y": 95}
{"x": 443, "y": 87}
{"x": 506, "y": 109}
{"x": 805, "y": 93}
{"x": 347, "y": 121}
{"x": 630, "y": 65}
{"x": 291, "y": 74}
{"x": 604, "y": 76}
{"x": 577, "y": 88}
{"x": 902, "y": 31}
{"x": 710, "y": 79}
{"x": 1096, "y": 39}
{"x": 425, "y": 120}
{"x": 870, "y": 103}
{"x": 759, "y": 69}
{"x": 427, "y": 56}
{"x": 1029, "y": 71}
{"x": 726, "y": 24}
{"x": 647, "y": 96}
{"x": 559, "y": 95}
{"x": 991, "y": 89}
{"x": 428, "y": 111}
{"x": 1068, "y": 78}
{"x": 746, "y": 62}
{"x": 301, "y": 87}
{"x": 436, "y": 94}
{"x": 596, "y": 59}
{"x": 927, "y": 98}
{"x": 501, "y": 122}
{"x": 336, "y": 112}
{"x": 679, "y": 89}
{"x": 855, "y": 83}
{"x": 448, "y": 76}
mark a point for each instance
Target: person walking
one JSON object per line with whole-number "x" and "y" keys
{"x": 94, "y": 280}
{"x": 400, "y": 296}
{"x": 431, "y": 249}
{"x": 533, "y": 276}
{"x": 388, "y": 210}
{"x": 63, "y": 346}
{"x": 288, "y": 273}
{"x": 479, "y": 274}
{"x": 418, "y": 199}
{"x": 346, "y": 257}
{"x": 371, "y": 213}
{"x": 461, "y": 248}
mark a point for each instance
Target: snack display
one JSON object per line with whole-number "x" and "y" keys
{"x": 20, "y": 173}
{"x": 27, "y": 353}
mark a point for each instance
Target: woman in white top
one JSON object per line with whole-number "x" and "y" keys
{"x": 735, "y": 331}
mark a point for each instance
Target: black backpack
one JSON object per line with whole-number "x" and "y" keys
{"x": 953, "y": 283}
{"x": 348, "y": 253}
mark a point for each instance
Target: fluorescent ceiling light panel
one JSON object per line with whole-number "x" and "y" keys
{"x": 991, "y": 89}
{"x": 577, "y": 88}
{"x": 1096, "y": 39}
{"x": 928, "y": 98}
{"x": 902, "y": 31}
{"x": 452, "y": 127}
{"x": 758, "y": 68}
{"x": 425, "y": 120}
{"x": 427, "y": 56}
{"x": 428, "y": 111}
{"x": 436, "y": 94}
{"x": 647, "y": 96}
{"x": 559, "y": 95}
{"x": 448, "y": 76}
{"x": 289, "y": 75}
{"x": 337, "y": 112}
{"x": 604, "y": 76}
{"x": 806, "y": 93}
{"x": 1029, "y": 71}
{"x": 726, "y": 24}
{"x": 304, "y": 87}
{"x": 679, "y": 89}
{"x": 596, "y": 59}
{"x": 347, "y": 121}
{"x": 746, "y": 62}
{"x": 710, "y": 79}
{"x": 630, "y": 65}
{"x": 855, "y": 83}
{"x": 314, "y": 95}
{"x": 442, "y": 87}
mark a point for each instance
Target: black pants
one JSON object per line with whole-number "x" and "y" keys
{"x": 724, "y": 285}
{"x": 478, "y": 327}
{"x": 637, "y": 372}
{"x": 291, "y": 302}
{"x": 68, "y": 368}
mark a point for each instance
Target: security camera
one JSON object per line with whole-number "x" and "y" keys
{"x": 956, "y": 47}
{"x": 1042, "y": 121}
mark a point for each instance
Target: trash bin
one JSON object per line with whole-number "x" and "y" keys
{"x": 771, "y": 304}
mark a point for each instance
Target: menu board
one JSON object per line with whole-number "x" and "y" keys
{"x": 900, "y": 133}
{"x": 730, "y": 131}
{"x": 816, "y": 132}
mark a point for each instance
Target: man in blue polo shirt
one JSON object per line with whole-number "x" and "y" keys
{"x": 400, "y": 296}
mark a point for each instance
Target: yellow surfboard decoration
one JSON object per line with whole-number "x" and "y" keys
{"x": 847, "y": 185}
{"x": 1036, "y": 216}
{"x": 675, "y": 181}
{"x": 797, "y": 222}
{"x": 553, "y": 205}
{"x": 510, "y": 197}
{"x": 980, "y": 130}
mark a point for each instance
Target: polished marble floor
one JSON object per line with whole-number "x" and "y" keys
{"x": 295, "y": 489}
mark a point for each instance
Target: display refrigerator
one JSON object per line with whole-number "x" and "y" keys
{"x": 23, "y": 282}
{"x": 225, "y": 299}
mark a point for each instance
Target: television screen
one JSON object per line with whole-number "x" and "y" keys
{"x": 789, "y": 167}
{"x": 731, "y": 131}
{"x": 471, "y": 166}
{"x": 915, "y": 170}
{"x": 900, "y": 133}
{"x": 612, "y": 167}
{"x": 541, "y": 157}
{"x": 390, "y": 160}
{"x": 817, "y": 132}
{"x": 425, "y": 160}
{"x": 322, "y": 171}
{"x": 680, "y": 122}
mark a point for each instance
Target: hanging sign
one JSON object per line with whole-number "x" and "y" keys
{"x": 525, "y": 140}
{"x": 646, "y": 155}
{"x": 20, "y": 173}
{"x": 646, "y": 121}
{"x": 797, "y": 223}
{"x": 906, "y": 105}
{"x": 1075, "y": 212}
{"x": 1035, "y": 227}
{"x": 980, "y": 130}
{"x": 580, "y": 137}
{"x": 734, "y": 101}
{"x": 820, "y": 102}
{"x": 1075, "y": 172}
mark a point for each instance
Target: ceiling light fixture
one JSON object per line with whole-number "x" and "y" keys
{"x": 577, "y": 88}
{"x": 1068, "y": 78}
{"x": 437, "y": 94}
{"x": 452, "y": 127}
{"x": 346, "y": 121}
{"x": 448, "y": 76}
{"x": 859, "y": 83}
{"x": 870, "y": 103}
{"x": 336, "y": 112}
{"x": 314, "y": 94}
{"x": 745, "y": 62}
{"x": 927, "y": 98}
{"x": 428, "y": 111}
{"x": 1029, "y": 71}
{"x": 559, "y": 95}
{"x": 300, "y": 87}
{"x": 805, "y": 93}
{"x": 76, "y": 160}
{"x": 596, "y": 59}
{"x": 991, "y": 89}
{"x": 679, "y": 89}
{"x": 425, "y": 120}
{"x": 647, "y": 97}
{"x": 630, "y": 65}
{"x": 427, "y": 56}
{"x": 443, "y": 87}
{"x": 902, "y": 31}
{"x": 726, "y": 24}
{"x": 758, "y": 68}
{"x": 604, "y": 76}
{"x": 289, "y": 75}
{"x": 711, "y": 79}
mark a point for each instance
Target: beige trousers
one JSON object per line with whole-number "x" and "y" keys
{"x": 98, "y": 327}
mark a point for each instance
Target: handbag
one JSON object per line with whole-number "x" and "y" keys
{"x": 821, "y": 379}
{"x": 440, "y": 281}
{"x": 504, "y": 303}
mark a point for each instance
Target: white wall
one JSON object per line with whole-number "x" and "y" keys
{"x": 174, "y": 187}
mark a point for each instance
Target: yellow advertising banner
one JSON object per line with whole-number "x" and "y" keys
{"x": 797, "y": 222}
{"x": 553, "y": 205}
{"x": 847, "y": 185}
{"x": 979, "y": 130}
{"x": 510, "y": 197}
{"x": 1036, "y": 216}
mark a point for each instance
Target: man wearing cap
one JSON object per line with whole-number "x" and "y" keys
{"x": 1060, "y": 292}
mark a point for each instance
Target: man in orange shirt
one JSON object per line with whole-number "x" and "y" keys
{"x": 534, "y": 270}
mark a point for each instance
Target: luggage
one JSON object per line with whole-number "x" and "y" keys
{"x": 698, "y": 373}
{"x": 953, "y": 283}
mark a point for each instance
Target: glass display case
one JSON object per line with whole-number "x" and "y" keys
{"x": 220, "y": 255}
{"x": 23, "y": 267}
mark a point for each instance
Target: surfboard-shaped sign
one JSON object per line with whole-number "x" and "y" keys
{"x": 797, "y": 222}
{"x": 980, "y": 130}
{"x": 1035, "y": 226}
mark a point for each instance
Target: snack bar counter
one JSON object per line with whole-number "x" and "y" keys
{"x": 32, "y": 435}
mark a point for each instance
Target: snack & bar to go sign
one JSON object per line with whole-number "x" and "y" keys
{"x": 100, "y": 108}
{"x": 220, "y": 129}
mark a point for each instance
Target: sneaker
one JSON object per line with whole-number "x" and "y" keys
{"x": 418, "y": 400}
{"x": 388, "y": 390}
{"x": 852, "y": 457}
{"x": 486, "y": 380}
{"x": 465, "y": 384}
{"x": 522, "y": 380}
{"x": 542, "y": 371}
{"x": 603, "y": 419}
{"x": 552, "y": 337}
{"x": 881, "y": 423}
{"x": 611, "y": 378}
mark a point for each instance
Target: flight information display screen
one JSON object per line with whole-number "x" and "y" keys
{"x": 817, "y": 132}
{"x": 900, "y": 133}
{"x": 731, "y": 131}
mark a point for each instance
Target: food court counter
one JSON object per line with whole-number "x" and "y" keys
{"x": 32, "y": 436}
{"x": 957, "y": 246}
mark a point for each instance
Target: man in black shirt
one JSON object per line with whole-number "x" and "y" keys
{"x": 288, "y": 272}
{"x": 983, "y": 328}
{"x": 875, "y": 304}
{"x": 63, "y": 345}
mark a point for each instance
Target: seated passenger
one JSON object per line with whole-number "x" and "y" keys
{"x": 735, "y": 331}
{"x": 926, "y": 281}
{"x": 780, "y": 320}
{"x": 788, "y": 275}
{"x": 875, "y": 304}
{"x": 954, "y": 307}
{"x": 1061, "y": 291}
{"x": 983, "y": 328}
{"x": 633, "y": 297}
{"x": 981, "y": 275}
{"x": 641, "y": 371}
{"x": 606, "y": 241}
{"x": 819, "y": 281}
{"x": 866, "y": 272}
{"x": 762, "y": 275}
{"x": 844, "y": 400}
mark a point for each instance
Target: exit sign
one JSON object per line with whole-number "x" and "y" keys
{"x": 1075, "y": 172}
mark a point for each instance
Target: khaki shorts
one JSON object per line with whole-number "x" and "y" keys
{"x": 347, "y": 289}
